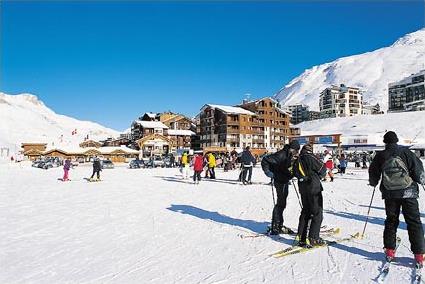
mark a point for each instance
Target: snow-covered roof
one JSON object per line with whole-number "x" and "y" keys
{"x": 151, "y": 124}
{"x": 231, "y": 109}
{"x": 102, "y": 150}
{"x": 151, "y": 114}
{"x": 180, "y": 132}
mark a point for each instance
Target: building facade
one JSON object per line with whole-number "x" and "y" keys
{"x": 340, "y": 101}
{"x": 260, "y": 124}
{"x": 407, "y": 94}
{"x": 270, "y": 125}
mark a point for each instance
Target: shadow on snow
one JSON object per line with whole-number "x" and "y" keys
{"x": 251, "y": 225}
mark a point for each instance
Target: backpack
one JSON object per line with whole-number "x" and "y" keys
{"x": 395, "y": 175}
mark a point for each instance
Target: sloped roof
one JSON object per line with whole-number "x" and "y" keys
{"x": 180, "y": 132}
{"x": 230, "y": 109}
{"x": 151, "y": 124}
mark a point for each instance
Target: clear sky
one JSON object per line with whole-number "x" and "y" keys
{"x": 110, "y": 61}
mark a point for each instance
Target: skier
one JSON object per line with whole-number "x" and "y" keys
{"x": 211, "y": 165}
{"x": 185, "y": 166}
{"x": 276, "y": 166}
{"x": 329, "y": 165}
{"x": 401, "y": 171}
{"x": 66, "y": 168}
{"x": 247, "y": 162}
{"x": 97, "y": 168}
{"x": 197, "y": 167}
{"x": 309, "y": 171}
{"x": 342, "y": 164}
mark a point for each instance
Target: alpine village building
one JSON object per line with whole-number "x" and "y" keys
{"x": 260, "y": 124}
{"x": 340, "y": 101}
{"x": 158, "y": 134}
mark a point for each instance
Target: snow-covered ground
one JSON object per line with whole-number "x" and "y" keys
{"x": 409, "y": 126}
{"x": 140, "y": 226}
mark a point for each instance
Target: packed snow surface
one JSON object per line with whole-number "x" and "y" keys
{"x": 25, "y": 119}
{"x": 371, "y": 72}
{"x": 150, "y": 226}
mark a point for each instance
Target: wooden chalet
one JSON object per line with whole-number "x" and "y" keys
{"x": 154, "y": 144}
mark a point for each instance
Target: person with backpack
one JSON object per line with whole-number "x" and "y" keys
{"x": 400, "y": 171}
{"x": 276, "y": 166}
{"x": 309, "y": 171}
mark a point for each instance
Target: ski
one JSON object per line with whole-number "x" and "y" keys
{"x": 385, "y": 269}
{"x": 325, "y": 231}
{"x": 297, "y": 249}
{"x": 417, "y": 275}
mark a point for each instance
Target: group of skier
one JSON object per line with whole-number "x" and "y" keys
{"x": 399, "y": 170}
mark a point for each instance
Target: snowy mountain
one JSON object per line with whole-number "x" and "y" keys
{"x": 24, "y": 118}
{"x": 409, "y": 126}
{"x": 371, "y": 71}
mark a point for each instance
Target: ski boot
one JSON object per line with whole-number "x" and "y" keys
{"x": 389, "y": 254}
{"x": 299, "y": 241}
{"x": 317, "y": 242}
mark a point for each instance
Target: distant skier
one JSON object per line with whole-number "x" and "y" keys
{"x": 329, "y": 165}
{"x": 276, "y": 166}
{"x": 400, "y": 172}
{"x": 66, "y": 168}
{"x": 309, "y": 171}
{"x": 185, "y": 166}
{"x": 247, "y": 162}
{"x": 97, "y": 168}
{"x": 342, "y": 164}
{"x": 197, "y": 167}
{"x": 211, "y": 165}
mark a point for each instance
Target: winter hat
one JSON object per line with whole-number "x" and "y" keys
{"x": 307, "y": 148}
{"x": 294, "y": 144}
{"x": 390, "y": 137}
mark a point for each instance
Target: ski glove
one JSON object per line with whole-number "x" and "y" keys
{"x": 422, "y": 178}
{"x": 269, "y": 174}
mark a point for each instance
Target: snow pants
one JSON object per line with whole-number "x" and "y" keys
{"x": 312, "y": 210}
{"x": 197, "y": 176}
{"x": 65, "y": 174}
{"x": 282, "y": 195}
{"x": 412, "y": 217}
{"x": 185, "y": 171}
{"x": 97, "y": 174}
{"x": 211, "y": 172}
{"x": 246, "y": 171}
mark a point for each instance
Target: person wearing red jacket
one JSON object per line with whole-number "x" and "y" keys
{"x": 198, "y": 166}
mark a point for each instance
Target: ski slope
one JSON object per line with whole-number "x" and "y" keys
{"x": 26, "y": 119}
{"x": 370, "y": 71}
{"x": 149, "y": 226}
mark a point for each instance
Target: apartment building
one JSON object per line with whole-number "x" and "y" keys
{"x": 340, "y": 101}
{"x": 260, "y": 124}
{"x": 407, "y": 94}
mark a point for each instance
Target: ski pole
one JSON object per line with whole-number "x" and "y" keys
{"x": 274, "y": 204}
{"x": 368, "y": 211}
{"x": 298, "y": 196}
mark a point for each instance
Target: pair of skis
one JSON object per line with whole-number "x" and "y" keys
{"x": 295, "y": 249}
{"x": 385, "y": 270}
{"x": 324, "y": 230}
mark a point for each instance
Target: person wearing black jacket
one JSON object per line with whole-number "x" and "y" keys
{"x": 410, "y": 173}
{"x": 309, "y": 171}
{"x": 97, "y": 168}
{"x": 276, "y": 166}
{"x": 247, "y": 162}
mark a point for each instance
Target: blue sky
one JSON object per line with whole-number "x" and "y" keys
{"x": 110, "y": 61}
